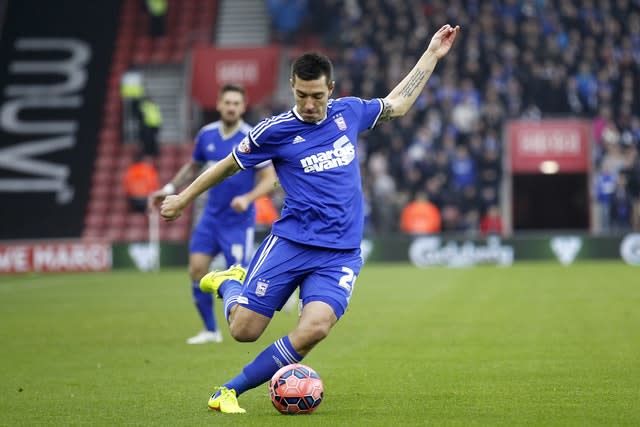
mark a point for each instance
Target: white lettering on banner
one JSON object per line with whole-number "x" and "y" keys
{"x": 546, "y": 142}
{"x": 46, "y": 176}
{"x": 427, "y": 252}
{"x": 74, "y": 257}
{"x": 14, "y": 259}
{"x": 55, "y": 257}
{"x": 240, "y": 71}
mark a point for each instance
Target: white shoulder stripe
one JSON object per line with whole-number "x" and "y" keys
{"x": 256, "y": 134}
{"x": 268, "y": 122}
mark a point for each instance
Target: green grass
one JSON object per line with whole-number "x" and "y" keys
{"x": 534, "y": 344}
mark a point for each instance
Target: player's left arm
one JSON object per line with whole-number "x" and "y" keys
{"x": 403, "y": 96}
{"x": 266, "y": 182}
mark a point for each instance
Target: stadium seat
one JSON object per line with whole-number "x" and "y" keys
{"x": 133, "y": 234}
{"x": 137, "y": 220}
{"x": 114, "y": 234}
{"x": 117, "y": 220}
{"x": 95, "y": 220}
{"x": 93, "y": 232}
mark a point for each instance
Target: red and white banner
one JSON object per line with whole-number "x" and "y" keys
{"x": 255, "y": 68}
{"x": 533, "y": 145}
{"x": 58, "y": 256}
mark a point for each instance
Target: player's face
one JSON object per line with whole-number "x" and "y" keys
{"x": 231, "y": 107}
{"x": 312, "y": 97}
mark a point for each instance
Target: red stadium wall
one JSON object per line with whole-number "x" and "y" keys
{"x": 255, "y": 68}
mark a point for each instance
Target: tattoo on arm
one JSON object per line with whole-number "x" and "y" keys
{"x": 387, "y": 111}
{"x": 414, "y": 81}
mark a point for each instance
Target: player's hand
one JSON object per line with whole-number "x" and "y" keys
{"x": 240, "y": 203}
{"x": 171, "y": 207}
{"x": 155, "y": 199}
{"x": 442, "y": 40}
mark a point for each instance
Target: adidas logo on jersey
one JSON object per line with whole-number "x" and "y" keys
{"x": 298, "y": 139}
{"x": 342, "y": 154}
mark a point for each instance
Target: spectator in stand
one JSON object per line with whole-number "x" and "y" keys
{"x": 463, "y": 169}
{"x": 491, "y": 222}
{"x": 150, "y": 123}
{"x": 420, "y": 216}
{"x": 266, "y": 213}
{"x": 140, "y": 180}
{"x": 470, "y": 209}
{"x": 604, "y": 187}
{"x": 621, "y": 206}
{"x": 286, "y": 17}
{"x": 131, "y": 93}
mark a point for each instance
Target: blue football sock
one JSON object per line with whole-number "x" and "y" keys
{"x": 229, "y": 291}
{"x": 262, "y": 368}
{"x": 204, "y": 304}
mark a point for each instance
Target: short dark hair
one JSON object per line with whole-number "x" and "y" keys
{"x": 312, "y": 66}
{"x": 230, "y": 87}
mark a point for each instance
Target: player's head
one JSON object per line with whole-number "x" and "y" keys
{"x": 232, "y": 103}
{"x": 312, "y": 84}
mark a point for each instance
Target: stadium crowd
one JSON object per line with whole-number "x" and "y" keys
{"x": 515, "y": 59}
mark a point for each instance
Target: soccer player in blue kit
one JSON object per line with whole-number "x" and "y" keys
{"x": 315, "y": 245}
{"x": 227, "y": 223}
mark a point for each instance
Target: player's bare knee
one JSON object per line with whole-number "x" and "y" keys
{"x": 197, "y": 272}
{"x": 315, "y": 332}
{"x": 243, "y": 332}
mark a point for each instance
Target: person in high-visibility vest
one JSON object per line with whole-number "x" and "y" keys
{"x": 131, "y": 92}
{"x": 157, "y": 10}
{"x": 150, "y": 123}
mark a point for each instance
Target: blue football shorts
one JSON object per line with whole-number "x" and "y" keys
{"x": 235, "y": 241}
{"x": 280, "y": 266}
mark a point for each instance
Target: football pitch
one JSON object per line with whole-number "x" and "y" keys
{"x": 533, "y": 344}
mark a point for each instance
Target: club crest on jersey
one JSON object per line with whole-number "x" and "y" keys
{"x": 245, "y": 146}
{"x": 261, "y": 288}
{"x": 339, "y": 121}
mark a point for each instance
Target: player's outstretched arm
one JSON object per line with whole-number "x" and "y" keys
{"x": 185, "y": 175}
{"x": 402, "y": 97}
{"x": 266, "y": 183}
{"x": 172, "y": 206}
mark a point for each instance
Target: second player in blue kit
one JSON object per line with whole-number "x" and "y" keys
{"x": 227, "y": 223}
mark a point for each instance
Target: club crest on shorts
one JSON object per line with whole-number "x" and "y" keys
{"x": 339, "y": 121}
{"x": 261, "y": 288}
{"x": 245, "y": 146}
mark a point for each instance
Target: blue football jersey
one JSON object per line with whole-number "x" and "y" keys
{"x": 211, "y": 146}
{"x": 318, "y": 168}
